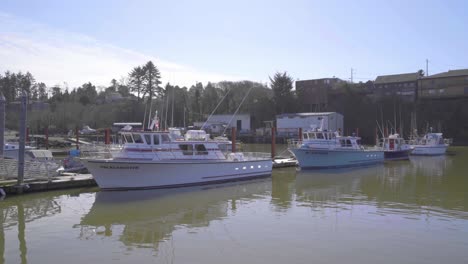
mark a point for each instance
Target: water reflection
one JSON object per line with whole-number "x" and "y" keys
{"x": 150, "y": 216}
{"x": 331, "y": 188}
{"x": 422, "y": 196}
{"x": 19, "y": 211}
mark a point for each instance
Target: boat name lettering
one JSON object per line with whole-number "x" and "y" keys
{"x": 119, "y": 167}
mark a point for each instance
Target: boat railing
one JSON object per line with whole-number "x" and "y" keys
{"x": 321, "y": 144}
{"x": 247, "y": 156}
{"x": 99, "y": 150}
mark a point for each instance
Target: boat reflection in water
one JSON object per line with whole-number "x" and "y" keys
{"x": 332, "y": 187}
{"x": 151, "y": 216}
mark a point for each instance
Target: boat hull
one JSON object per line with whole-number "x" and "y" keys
{"x": 117, "y": 175}
{"x": 429, "y": 150}
{"x": 324, "y": 159}
{"x": 397, "y": 154}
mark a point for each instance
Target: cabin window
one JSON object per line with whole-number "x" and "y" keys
{"x": 128, "y": 138}
{"x": 186, "y": 149}
{"x": 165, "y": 138}
{"x": 358, "y": 142}
{"x": 311, "y": 136}
{"x": 342, "y": 142}
{"x": 200, "y": 149}
{"x": 332, "y": 135}
{"x": 148, "y": 139}
{"x": 319, "y": 135}
{"x": 348, "y": 143}
{"x": 137, "y": 138}
{"x": 156, "y": 139}
{"x": 305, "y": 136}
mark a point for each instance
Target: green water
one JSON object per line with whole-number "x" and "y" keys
{"x": 402, "y": 212}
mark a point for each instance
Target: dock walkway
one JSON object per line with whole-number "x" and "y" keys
{"x": 56, "y": 183}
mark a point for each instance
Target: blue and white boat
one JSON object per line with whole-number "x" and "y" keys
{"x": 431, "y": 144}
{"x": 323, "y": 149}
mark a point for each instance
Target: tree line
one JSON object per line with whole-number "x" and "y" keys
{"x": 180, "y": 106}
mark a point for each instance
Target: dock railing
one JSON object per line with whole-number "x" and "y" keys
{"x": 33, "y": 169}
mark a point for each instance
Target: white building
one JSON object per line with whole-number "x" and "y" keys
{"x": 240, "y": 121}
{"x": 289, "y": 124}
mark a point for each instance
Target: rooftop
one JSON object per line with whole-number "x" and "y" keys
{"x": 397, "y": 78}
{"x": 450, "y": 73}
{"x": 290, "y": 115}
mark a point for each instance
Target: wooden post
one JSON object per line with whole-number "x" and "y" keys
{"x": 46, "y": 132}
{"x": 77, "y": 133}
{"x": 273, "y": 142}
{"x": 300, "y": 134}
{"x": 233, "y": 139}
{"x": 107, "y": 136}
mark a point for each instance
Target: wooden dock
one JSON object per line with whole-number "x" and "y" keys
{"x": 56, "y": 183}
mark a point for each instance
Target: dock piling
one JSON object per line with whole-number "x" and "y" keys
{"x": 273, "y": 142}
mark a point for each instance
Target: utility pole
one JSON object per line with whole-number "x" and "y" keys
{"x": 427, "y": 67}
{"x": 352, "y": 75}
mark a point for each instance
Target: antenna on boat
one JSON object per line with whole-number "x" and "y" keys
{"x": 243, "y": 99}
{"x": 155, "y": 122}
{"x": 149, "y": 113}
{"x": 222, "y": 99}
{"x": 144, "y": 117}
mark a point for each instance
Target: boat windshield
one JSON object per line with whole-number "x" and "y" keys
{"x": 137, "y": 138}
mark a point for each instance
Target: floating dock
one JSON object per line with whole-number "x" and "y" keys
{"x": 56, "y": 183}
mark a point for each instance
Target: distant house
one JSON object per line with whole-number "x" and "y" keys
{"x": 289, "y": 124}
{"x": 313, "y": 94}
{"x": 404, "y": 85}
{"x": 217, "y": 122}
{"x": 450, "y": 84}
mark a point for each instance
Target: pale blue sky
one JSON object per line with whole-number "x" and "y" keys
{"x": 214, "y": 40}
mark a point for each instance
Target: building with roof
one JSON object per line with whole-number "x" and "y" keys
{"x": 218, "y": 122}
{"x": 289, "y": 124}
{"x": 313, "y": 94}
{"x": 450, "y": 84}
{"x": 404, "y": 85}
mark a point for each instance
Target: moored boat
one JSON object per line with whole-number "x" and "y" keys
{"x": 323, "y": 149}
{"x": 155, "y": 160}
{"x": 431, "y": 144}
{"x": 395, "y": 148}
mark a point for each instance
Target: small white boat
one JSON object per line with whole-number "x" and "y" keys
{"x": 395, "y": 148}
{"x": 431, "y": 144}
{"x": 37, "y": 163}
{"x": 11, "y": 150}
{"x": 155, "y": 160}
{"x": 323, "y": 149}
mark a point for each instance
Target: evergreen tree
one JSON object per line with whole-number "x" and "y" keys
{"x": 282, "y": 85}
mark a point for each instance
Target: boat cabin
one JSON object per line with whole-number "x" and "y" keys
{"x": 329, "y": 140}
{"x": 162, "y": 146}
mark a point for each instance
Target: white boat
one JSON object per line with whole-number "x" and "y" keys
{"x": 431, "y": 144}
{"x": 155, "y": 160}
{"x": 323, "y": 149}
{"x": 395, "y": 147}
{"x": 38, "y": 163}
{"x": 11, "y": 150}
